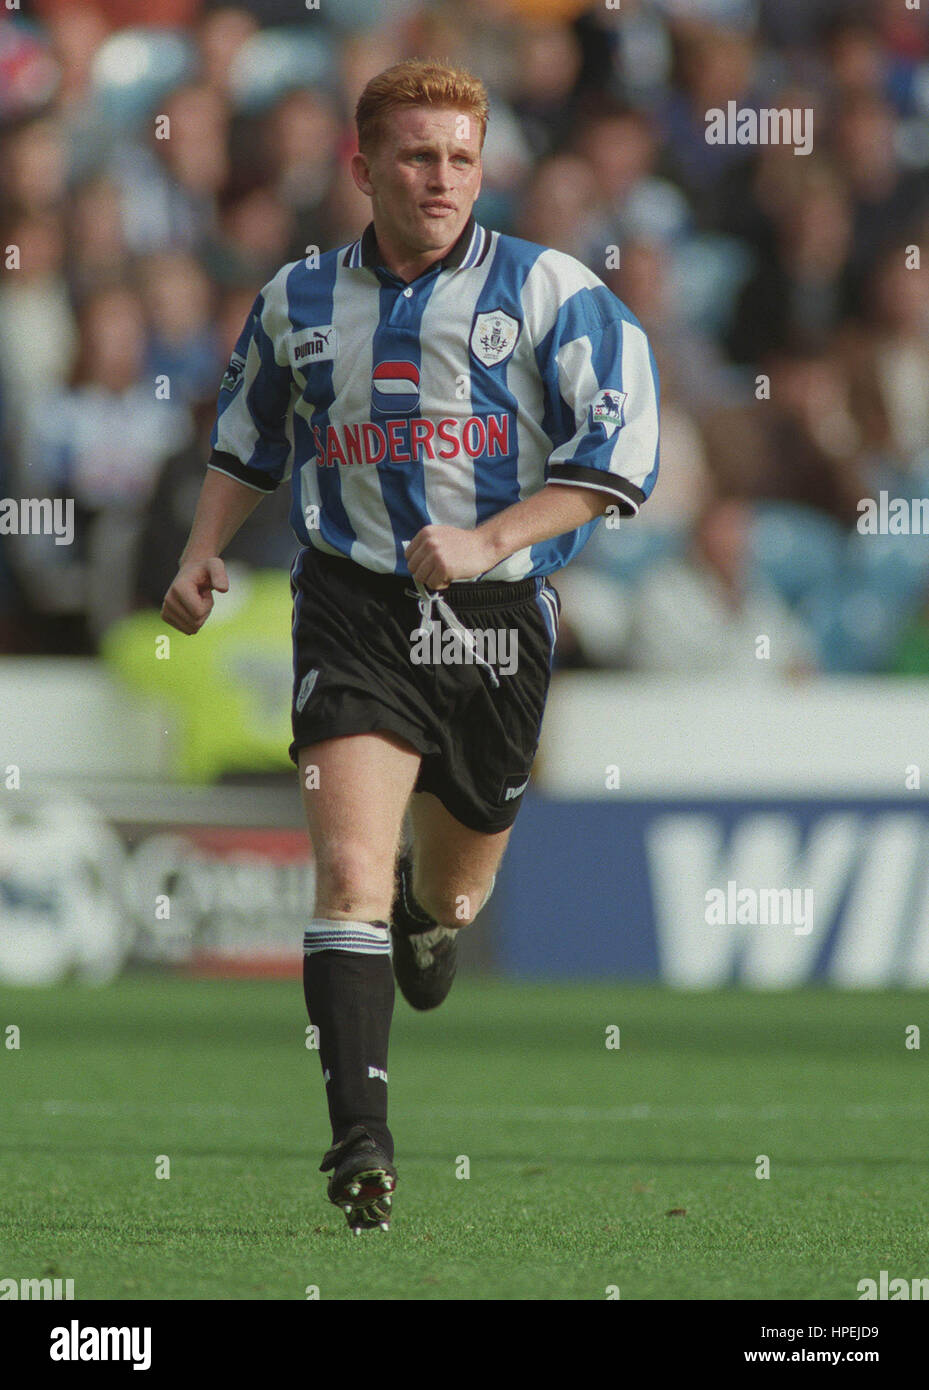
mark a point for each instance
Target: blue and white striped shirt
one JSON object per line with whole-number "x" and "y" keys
{"x": 504, "y": 367}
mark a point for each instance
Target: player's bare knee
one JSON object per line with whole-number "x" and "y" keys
{"x": 352, "y": 880}
{"x": 452, "y": 907}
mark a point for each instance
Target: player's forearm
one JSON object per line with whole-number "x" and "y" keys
{"x": 553, "y": 511}
{"x": 224, "y": 504}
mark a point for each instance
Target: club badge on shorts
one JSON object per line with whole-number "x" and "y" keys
{"x": 306, "y": 689}
{"x": 494, "y": 336}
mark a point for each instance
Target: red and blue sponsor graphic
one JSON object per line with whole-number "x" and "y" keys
{"x": 395, "y": 388}
{"x": 409, "y": 441}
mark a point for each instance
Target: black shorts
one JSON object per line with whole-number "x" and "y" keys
{"x": 354, "y": 630}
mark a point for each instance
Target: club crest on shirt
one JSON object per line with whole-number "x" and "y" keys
{"x": 607, "y": 409}
{"x": 494, "y": 336}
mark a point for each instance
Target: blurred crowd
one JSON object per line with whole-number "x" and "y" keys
{"x": 782, "y": 293}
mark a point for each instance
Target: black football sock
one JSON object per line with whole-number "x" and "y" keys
{"x": 348, "y": 984}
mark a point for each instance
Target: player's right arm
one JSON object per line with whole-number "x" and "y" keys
{"x": 250, "y": 456}
{"x": 223, "y": 506}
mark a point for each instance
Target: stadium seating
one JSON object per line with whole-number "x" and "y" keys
{"x": 855, "y": 627}
{"x": 276, "y": 61}
{"x": 625, "y": 554}
{"x": 134, "y": 68}
{"x": 796, "y": 551}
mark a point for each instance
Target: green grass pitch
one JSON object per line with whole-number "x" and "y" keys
{"x": 578, "y": 1153}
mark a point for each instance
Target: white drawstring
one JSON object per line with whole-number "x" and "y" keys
{"x": 427, "y": 599}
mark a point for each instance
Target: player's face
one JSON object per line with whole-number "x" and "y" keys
{"x": 422, "y": 178}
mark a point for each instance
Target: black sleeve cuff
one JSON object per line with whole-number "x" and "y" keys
{"x": 235, "y": 468}
{"x": 628, "y": 497}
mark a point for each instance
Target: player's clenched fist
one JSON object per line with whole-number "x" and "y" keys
{"x": 439, "y": 555}
{"x": 189, "y": 601}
